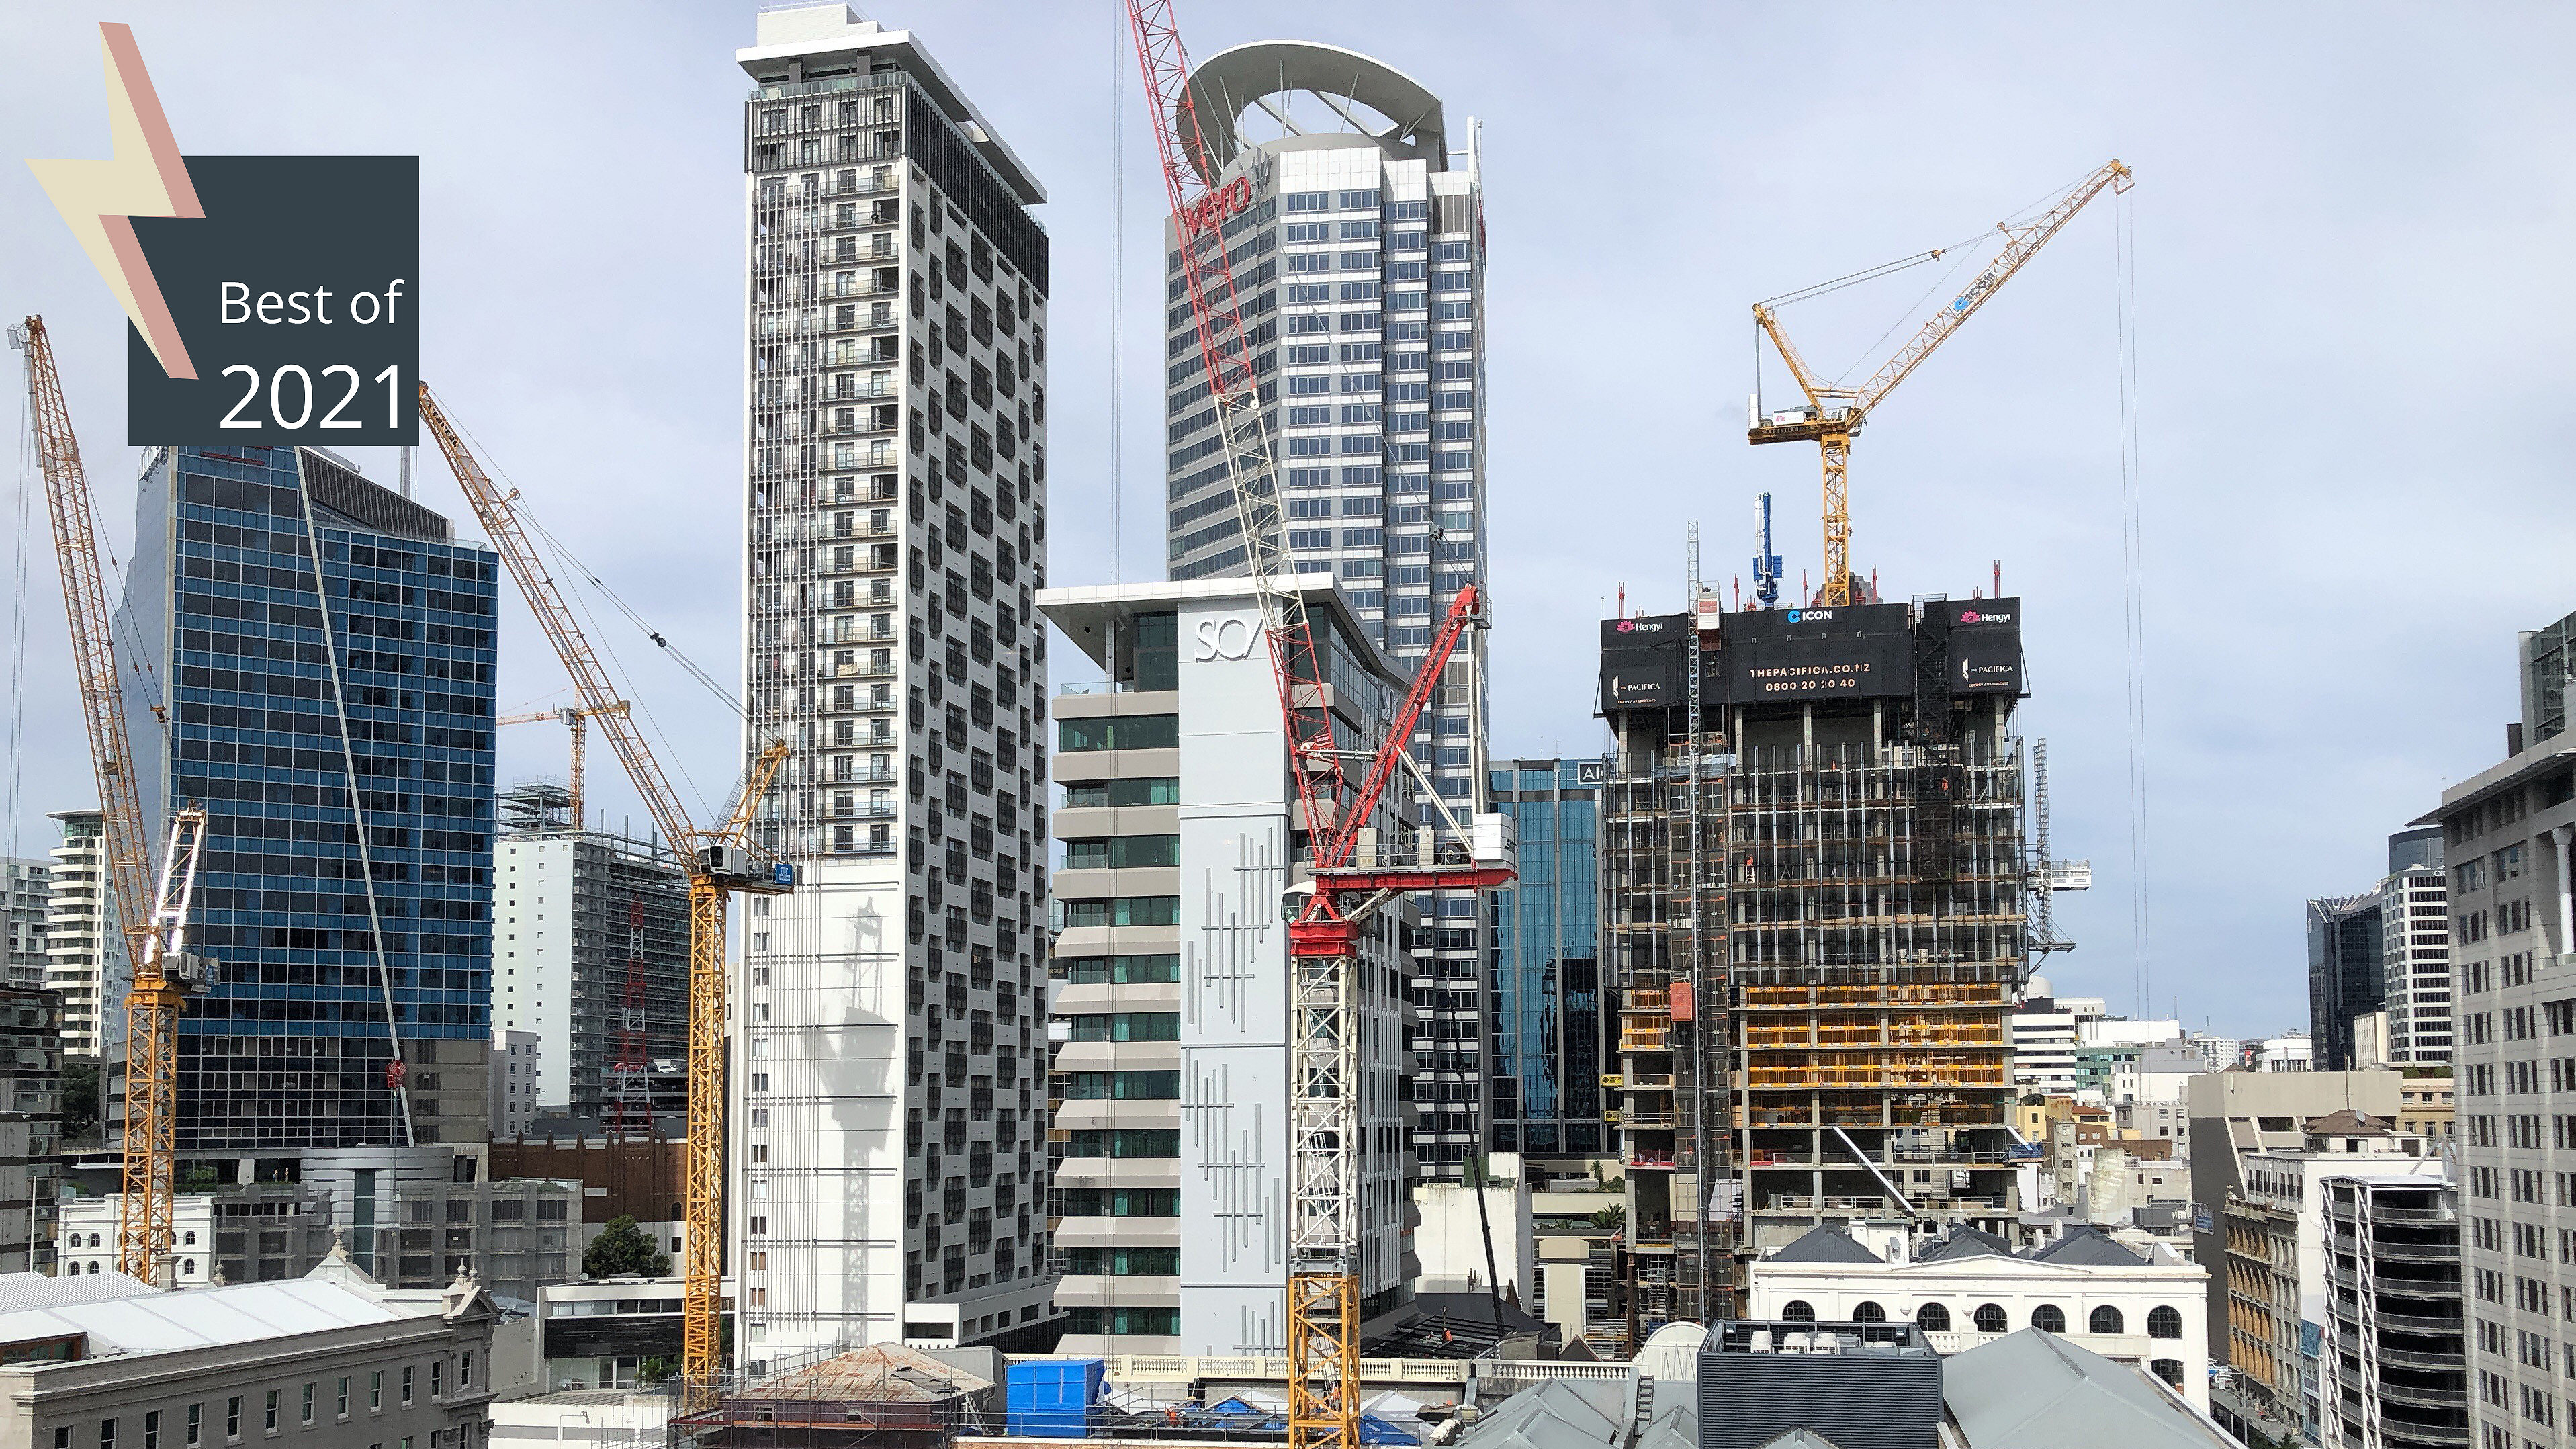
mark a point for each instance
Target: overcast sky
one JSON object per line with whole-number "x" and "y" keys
{"x": 2351, "y": 225}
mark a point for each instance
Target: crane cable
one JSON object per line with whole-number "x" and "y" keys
{"x": 18, "y": 611}
{"x": 2133, "y": 587}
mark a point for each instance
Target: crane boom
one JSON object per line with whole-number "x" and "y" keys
{"x": 718, "y": 862}
{"x": 1834, "y": 414}
{"x": 149, "y": 920}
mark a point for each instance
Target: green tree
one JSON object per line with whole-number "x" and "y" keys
{"x": 622, "y": 1248}
{"x": 80, "y": 1101}
{"x": 1609, "y": 1217}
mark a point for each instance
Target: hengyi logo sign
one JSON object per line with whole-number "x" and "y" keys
{"x": 271, "y": 299}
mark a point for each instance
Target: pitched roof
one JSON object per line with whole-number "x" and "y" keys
{"x": 156, "y": 1322}
{"x": 2034, "y": 1390}
{"x": 1966, "y": 1242}
{"x": 1552, "y": 1415}
{"x": 2087, "y": 1245}
{"x": 1799, "y": 1439}
{"x": 884, "y": 1372}
{"x": 38, "y": 1290}
{"x": 1824, "y": 1245}
{"x": 2350, "y": 1123}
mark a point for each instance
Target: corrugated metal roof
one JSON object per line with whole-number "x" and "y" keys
{"x": 884, "y": 1372}
{"x": 152, "y": 1322}
{"x": 2034, "y": 1390}
{"x": 36, "y": 1290}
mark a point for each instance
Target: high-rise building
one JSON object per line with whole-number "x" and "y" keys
{"x": 1359, "y": 266}
{"x": 1550, "y": 1042}
{"x": 2415, "y": 949}
{"x": 26, "y": 894}
{"x": 2046, "y": 1030}
{"x": 31, "y": 1128}
{"x": 2509, "y": 840}
{"x": 592, "y": 957}
{"x": 2346, "y": 976}
{"x": 1812, "y": 866}
{"x": 325, "y": 658}
{"x": 84, "y": 945}
{"x": 2547, "y": 659}
{"x": 2391, "y": 1364}
{"x": 895, "y": 501}
{"x": 1170, "y": 1014}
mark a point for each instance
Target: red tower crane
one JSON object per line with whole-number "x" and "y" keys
{"x": 1350, "y": 879}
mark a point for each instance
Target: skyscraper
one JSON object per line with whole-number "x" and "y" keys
{"x": 26, "y": 895}
{"x": 2346, "y": 975}
{"x": 1551, "y": 1015}
{"x": 324, "y": 650}
{"x": 888, "y": 1166}
{"x": 1359, "y": 263}
{"x": 2415, "y": 949}
{"x": 83, "y": 944}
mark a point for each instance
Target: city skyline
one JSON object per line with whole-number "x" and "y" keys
{"x": 2280, "y": 758}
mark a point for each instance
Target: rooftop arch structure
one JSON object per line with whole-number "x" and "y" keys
{"x": 1409, "y": 120}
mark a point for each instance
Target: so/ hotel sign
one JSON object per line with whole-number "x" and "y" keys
{"x": 269, "y": 300}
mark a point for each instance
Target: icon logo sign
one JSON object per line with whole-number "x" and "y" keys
{"x": 270, "y": 300}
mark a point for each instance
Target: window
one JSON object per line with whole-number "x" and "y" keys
{"x": 1119, "y": 970}
{"x": 2164, "y": 1322}
{"x": 232, "y": 1419}
{"x": 2169, "y": 1370}
{"x": 1933, "y": 1318}
{"x": 306, "y": 1418}
{"x": 2049, "y": 1317}
{"x": 406, "y": 1382}
{"x": 1989, "y": 1318}
{"x": 437, "y": 1374}
{"x": 1798, "y": 1310}
{"x": 268, "y": 1412}
{"x": 2106, "y": 1319}
{"x": 196, "y": 1424}
{"x": 1868, "y": 1312}
{"x": 1122, "y": 852}
{"x": 107, "y": 1433}
{"x": 152, "y": 1430}
{"x": 375, "y": 1390}
{"x": 1160, "y": 790}
{"x": 1128, "y": 732}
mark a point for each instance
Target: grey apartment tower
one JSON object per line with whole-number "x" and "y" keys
{"x": 1360, "y": 261}
{"x": 889, "y": 1168}
{"x": 324, "y": 650}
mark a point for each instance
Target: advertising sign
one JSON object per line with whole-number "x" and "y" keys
{"x": 1641, "y": 661}
{"x": 1985, "y": 645}
{"x": 1857, "y": 651}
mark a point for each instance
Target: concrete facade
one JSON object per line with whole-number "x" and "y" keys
{"x": 580, "y": 914}
{"x": 84, "y": 950}
{"x": 26, "y": 895}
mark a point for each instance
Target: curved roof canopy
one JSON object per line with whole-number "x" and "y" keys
{"x": 1408, "y": 120}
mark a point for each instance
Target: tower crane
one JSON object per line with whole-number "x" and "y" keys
{"x": 1352, "y": 877}
{"x": 576, "y": 718}
{"x": 1833, "y": 414}
{"x": 719, "y": 862}
{"x": 154, "y": 921}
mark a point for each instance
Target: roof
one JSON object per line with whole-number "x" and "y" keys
{"x": 2089, "y": 1246}
{"x": 1554, "y": 1415}
{"x": 1675, "y": 1426}
{"x": 883, "y": 1372}
{"x": 1824, "y": 1245}
{"x": 152, "y": 1322}
{"x": 1966, "y": 1242}
{"x": 1232, "y": 81}
{"x": 2034, "y": 1390}
{"x": 1794, "y": 1439}
{"x": 36, "y": 1290}
{"x": 2350, "y": 1123}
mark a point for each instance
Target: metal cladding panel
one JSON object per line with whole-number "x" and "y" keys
{"x": 1856, "y": 1400}
{"x": 1859, "y": 651}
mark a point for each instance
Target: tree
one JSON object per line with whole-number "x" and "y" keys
{"x": 1609, "y": 1217}
{"x": 80, "y": 1101}
{"x": 621, "y": 1248}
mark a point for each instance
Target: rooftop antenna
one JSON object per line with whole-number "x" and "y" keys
{"x": 1999, "y": 578}
{"x": 1766, "y": 564}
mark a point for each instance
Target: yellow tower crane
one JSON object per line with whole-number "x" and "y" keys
{"x": 1833, "y": 414}
{"x": 577, "y": 720}
{"x": 154, "y": 921}
{"x": 719, "y": 862}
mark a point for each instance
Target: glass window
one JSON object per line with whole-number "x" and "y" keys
{"x": 1153, "y": 790}
{"x": 2163, "y": 1322}
{"x": 1990, "y": 1318}
{"x": 1798, "y": 1310}
{"x": 1120, "y": 970}
{"x": 2105, "y": 1319}
{"x": 1933, "y": 1318}
{"x": 1130, "y": 732}
{"x": 1158, "y": 644}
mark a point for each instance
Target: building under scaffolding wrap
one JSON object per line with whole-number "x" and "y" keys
{"x": 1812, "y": 910}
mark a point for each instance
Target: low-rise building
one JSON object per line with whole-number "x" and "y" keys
{"x": 1971, "y": 1288}
{"x": 2424, "y": 1104}
{"x": 327, "y": 1361}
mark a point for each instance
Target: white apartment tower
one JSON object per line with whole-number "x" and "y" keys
{"x": 1359, "y": 261}
{"x": 2415, "y": 949}
{"x": 888, "y": 1160}
{"x": 81, "y": 940}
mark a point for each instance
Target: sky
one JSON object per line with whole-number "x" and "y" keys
{"x": 2351, "y": 386}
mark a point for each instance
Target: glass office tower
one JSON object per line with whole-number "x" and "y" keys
{"x": 1547, "y": 1047}
{"x": 312, "y": 662}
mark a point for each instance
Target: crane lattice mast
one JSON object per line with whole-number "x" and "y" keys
{"x": 1834, "y": 414}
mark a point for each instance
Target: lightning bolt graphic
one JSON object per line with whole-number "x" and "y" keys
{"x": 147, "y": 177}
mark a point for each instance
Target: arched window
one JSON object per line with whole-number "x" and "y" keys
{"x": 2050, "y": 1317}
{"x": 1932, "y": 1318}
{"x": 1798, "y": 1310}
{"x": 188, "y": 1265}
{"x": 2163, "y": 1322}
{"x": 191, "y": 1239}
{"x": 1990, "y": 1318}
{"x": 1868, "y": 1312}
{"x": 93, "y": 1240}
{"x": 2170, "y": 1370}
{"x": 2106, "y": 1319}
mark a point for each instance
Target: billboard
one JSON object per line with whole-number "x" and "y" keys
{"x": 1857, "y": 651}
{"x": 1641, "y": 661}
{"x": 1985, "y": 645}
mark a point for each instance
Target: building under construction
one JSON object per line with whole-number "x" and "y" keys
{"x": 1812, "y": 872}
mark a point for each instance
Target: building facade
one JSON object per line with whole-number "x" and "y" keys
{"x": 2346, "y": 977}
{"x": 2394, "y": 1374}
{"x": 2415, "y": 949}
{"x": 2509, "y": 838}
{"x": 26, "y": 897}
{"x": 1814, "y": 918}
{"x": 1359, "y": 267}
{"x": 592, "y": 957}
{"x": 1551, "y": 1017}
{"x": 2046, "y": 1029}
{"x": 895, "y": 501}
{"x": 327, "y": 651}
{"x": 83, "y": 941}
{"x": 518, "y": 1062}
{"x": 1169, "y": 1014}
{"x": 31, "y": 1128}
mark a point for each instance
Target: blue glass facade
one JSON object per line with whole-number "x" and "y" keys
{"x": 1549, "y": 1014}
{"x": 326, "y": 652}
